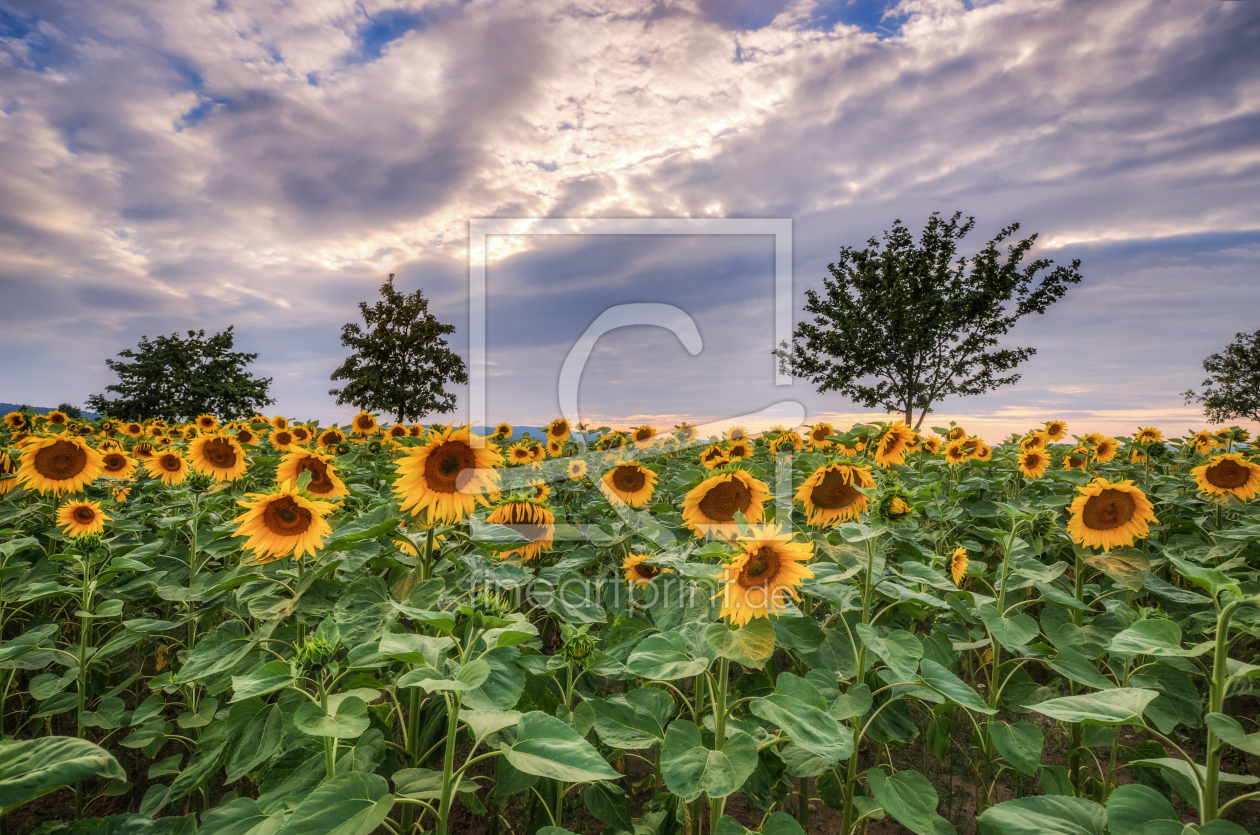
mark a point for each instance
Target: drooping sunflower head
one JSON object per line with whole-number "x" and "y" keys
{"x": 629, "y": 483}
{"x": 209, "y": 422}
{"x": 892, "y": 446}
{"x": 281, "y": 524}
{"x": 894, "y": 504}
{"x": 638, "y": 573}
{"x": 555, "y": 448}
{"x": 1092, "y": 438}
{"x": 1204, "y": 442}
{"x": 120, "y": 494}
{"x": 1033, "y": 463}
{"x": 58, "y": 464}
{"x": 8, "y": 473}
{"x": 331, "y": 439}
{"x": 143, "y": 450}
{"x": 415, "y": 431}
{"x": 709, "y": 508}
{"x": 576, "y": 469}
{"x": 1148, "y": 435}
{"x": 958, "y": 562}
{"x": 1136, "y": 456}
{"x": 1033, "y": 440}
{"x": 818, "y": 434}
{"x": 325, "y": 483}
{"x": 1110, "y": 515}
{"x": 956, "y": 433}
{"x": 17, "y": 422}
{"x": 983, "y": 452}
{"x": 558, "y": 430}
{"x": 766, "y": 570}
{"x": 739, "y": 449}
{"x": 686, "y": 432}
{"x": 1056, "y": 430}
{"x": 443, "y": 481}
{"x": 169, "y": 466}
{"x": 279, "y": 423}
{"x": 109, "y": 445}
{"x": 956, "y": 453}
{"x": 831, "y": 494}
{"x": 82, "y": 519}
{"x": 364, "y": 423}
{"x": 1230, "y": 474}
{"x": 786, "y": 443}
{"x": 217, "y": 456}
{"x": 531, "y": 520}
{"x": 116, "y": 464}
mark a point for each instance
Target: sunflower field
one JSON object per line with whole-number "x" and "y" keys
{"x": 268, "y": 626}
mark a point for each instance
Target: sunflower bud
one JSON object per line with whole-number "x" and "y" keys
{"x": 493, "y": 604}
{"x": 342, "y": 448}
{"x": 89, "y": 542}
{"x": 199, "y": 482}
{"x": 894, "y": 505}
{"x": 578, "y": 645}
{"x": 1044, "y": 524}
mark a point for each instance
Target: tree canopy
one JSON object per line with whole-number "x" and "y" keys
{"x": 901, "y": 325}
{"x": 401, "y": 363}
{"x": 1232, "y": 388}
{"x": 177, "y": 378}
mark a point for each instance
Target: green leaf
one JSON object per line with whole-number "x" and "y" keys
{"x": 951, "y": 687}
{"x": 255, "y": 729}
{"x": 664, "y": 657}
{"x": 856, "y": 701}
{"x": 1048, "y": 815}
{"x": 610, "y": 806}
{"x": 1231, "y": 732}
{"x": 347, "y": 719}
{"x": 1185, "y": 769}
{"x": 908, "y": 796}
{"x": 426, "y": 784}
{"x": 270, "y": 677}
{"x": 108, "y": 714}
{"x": 1155, "y": 637}
{"x": 1074, "y": 666}
{"x": 1110, "y": 707}
{"x": 501, "y": 690}
{"x": 547, "y": 747}
{"x": 1131, "y": 807}
{"x": 420, "y": 650}
{"x": 349, "y": 804}
{"x": 900, "y": 650}
{"x": 798, "y": 708}
{"x": 623, "y": 724}
{"x": 34, "y": 767}
{"x": 485, "y": 722}
{"x": 1020, "y": 744}
{"x": 750, "y": 645}
{"x": 1013, "y": 634}
{"x": 363, "y": 612}
{"x": 218, "y": 652}
{"x": 242, "y": 816}
{"x": 691, "y": 769}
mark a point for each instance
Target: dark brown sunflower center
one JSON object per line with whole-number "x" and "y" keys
{"x": 820, "y": 433}
{"x": 713, "y": 454}
{"x": 282, "y": 439}
{"x": 629, "y": 479}
{"x": 559, "y": 428}
{"x": 444, "y": 465}
{"x": 834, "y": 491}
{"x": 284, "y": 517}
{"x": 761, "y": 568}
{"x": 244, "y": 436}
{"x": 300, "y": 435}
{"x": 647, "y": 572}
{"x": 60, "y": 461}
{"x": 170, "y": 463}
{"x": 726, "y": 499}
{"x": 57, "y": 418}
{"x": 219, "y": 453}
{"x": 1109, "y": 510}
{"x": 114, "y": 463}
{"x": 207, "y": 423}
{"x": 320, "y": 482}
{"x": 957, "y": 452}
{"x": 84, "y": 514}
{"x": 642, "y": 434}
{"x": 1032, "y": 461}
{"x": 1227, "y": 475}
{"x": 524, "y": 518}
{"x": 364, "y": 422}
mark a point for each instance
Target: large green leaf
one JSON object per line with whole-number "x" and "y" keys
{"x": 1131, "y": 808}
{"x": 1012, "y": 633}
{"x": 951, "y": 686}
{"x": 1046, "y": 815}
{"x": 1232, "y": 733}
{"x": 426, "y": 784}
{"x": 621, "y": 723}
{"x": 32, "y": 768}
{"x": 691, "y": 769}
{"x": 346, "y": 719}
{"x": 908, "y": 796}
{"x": 750, "y": 645}
{"x": 502, "y": 688}
{"x": 255, "y": 730}
{"x": 1110, "y": 707}
{"x": 219, "y": 651}
{"x": 270, "y": 677}
{"x": 900, "y": 650}
{"x": 349, "y": 804}
{"x": 363, "y": 611}
{"x": 665, "y": 657}
{"x": 778, "y": 823}
{"x": 798, "y": 708}
{"x": 242, "y": 816}
{"x": 1155, "y": 637}
{"x": 1185, "y": 769}
{"x": 1020, "y": 744}
{"x": 547, "y": 747}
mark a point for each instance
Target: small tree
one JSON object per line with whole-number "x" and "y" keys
{"x": 401, "y": 364}
{"x": 70, "y": 411}
{"x": 902, "y": 326}
{"x": 175, "y": 379}
{"x": 1232, "y": 389}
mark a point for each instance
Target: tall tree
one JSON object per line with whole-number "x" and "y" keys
{"x": 1232, "y": 389}
{"x": 177, "y": 378}
{"x": 400, "y": 364}
{"x": 902, "y": 325}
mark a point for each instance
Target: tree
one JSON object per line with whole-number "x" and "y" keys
{"x": 1232, "y": 389}
{"x": 70, "y": 411}
{"x": 401, "y": 364}
{"x": 902, "y": 326}
{"x": 177, "y": 379}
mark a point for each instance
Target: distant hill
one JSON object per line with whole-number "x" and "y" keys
{"x": 5, "y": 408}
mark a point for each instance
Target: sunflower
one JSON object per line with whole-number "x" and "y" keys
{"x": 301, "y": 435}
{"x": 739, "y": 449}
{"x": 330, "y": 439}
{"x": 1033, "y": 440}
{"x": 444, "y": 479}
{"x": 638, "y": 573}
{"x": 1077, "y": 459}
{"x": 324, "y": 483}
{"x": 710, "y": 506}
{"x": 518, "y": 453}
{"x": 818, "y": 434}
{"x": 932, "y": 445}
{"x": 1228, "y": 475}
{"x": 7, "y": 468}
{"x": 529, "y": 519}
{"x": 120, "y": 494}
{"x": 956, "y": 453}
{"x": 115, "y": 464}
{"x": 575, "y": 470}
{"x": 892, "y": 446}
{"x": 537, "y": 452}
{"x": 282, "y": 523}
{"x": 1136, "y": 456}
{"x": 244, "y": 435}
{"x": 282, "y": 440}
{"x": 168, "y": 466}
{"x": 278, "y": 423}
{"x": 737, "y": 433}
{"x": 503, "y": 431}
{"x": 80, "y": 518}
{"x": 628, "y": 483}
{"x": 958, "y": 562}
{"x": 767, "y": 568}
{"x": 396, "y": 432}
{"x": 686, "y": 432}
{"x": 57, "y": 417}
{"x": 132, "y": 430}
{"x": 786, "y": 443}
{"x": 17, "y": 421}
{"x": 541, "y": 490}
{"x": 58, "y": 464}
{"x": 209, "y": 422}
{"x": 711, "y": 455}
{"x": 1204, "y": 441}
{"x": 143, "y": 450}
{"x": 558, "y": 430}
{"x": 109, "y": 445}
{"x": 1110, "y": 515}
{"x": 643, "y": 433}
{"x": 217, "y": 456}
{"x": 364, "y": 423}
{"x": 830, "y": 494}
{"x": 1056, "y": 430}
{"x": 1033, "y": 463}
{"x": 1105, "y": 450}
{"x": 155, "y": 431}
{"x": 983, "y": 452}
{"x": 555, "y": 448}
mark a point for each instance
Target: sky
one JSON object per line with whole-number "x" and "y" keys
{"x": 265, "y": 164}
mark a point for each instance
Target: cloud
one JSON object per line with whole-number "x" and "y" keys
{"x": 186, "y": 164}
